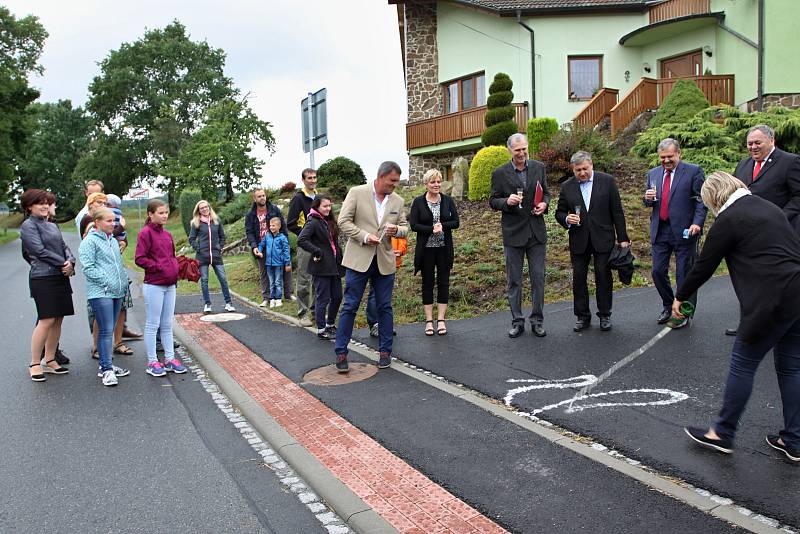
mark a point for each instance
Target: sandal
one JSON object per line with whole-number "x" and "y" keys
{"x": 441, "y": 327}
{"x": 37, "y": 377}
{"x": 122, "y": 348}
{"x": 55, "y": 370}
{"x": 95, "y": 354}
{"x": 429, "y": 329}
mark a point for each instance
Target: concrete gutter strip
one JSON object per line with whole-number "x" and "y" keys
{"x": 354, "y": 511}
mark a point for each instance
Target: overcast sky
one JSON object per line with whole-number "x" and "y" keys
{"x": 277, "y": 50}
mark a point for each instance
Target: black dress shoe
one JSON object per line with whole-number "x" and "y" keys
{"x": 731, "y": 331}
{"x": 664, "y": 316}
{"x": 605, "y": 324}
{"x": 538, "y": 330}
{"x": 581, "y": 324}
{"x": 516, "y": 330}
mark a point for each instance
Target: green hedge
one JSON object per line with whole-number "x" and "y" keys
{"x": 540, "y": 130}
{"x": 683, "y": 102}
{"x": 186, "y": 203}
{"x": 480, "y": 171}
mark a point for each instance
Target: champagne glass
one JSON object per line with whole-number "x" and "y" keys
{"x": 652, "y": 186}
{"x": 578, "y": 213}
{"x": 519, "y": 194}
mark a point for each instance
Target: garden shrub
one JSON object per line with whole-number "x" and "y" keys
{"x": 480, "y": 171}
{"x": 540, "y": 130}
{"x": 683, "y": 102}
{"x": 340, "y": 169}
{"x": 237, "y": 208}
{"x": 499, "y": 120}
{"x": 288, "y": 187}
{"x": 556, "y": 153}
{"x": 186, "y": 203}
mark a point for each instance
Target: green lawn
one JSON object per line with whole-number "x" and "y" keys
{"x": 8, "y": 235}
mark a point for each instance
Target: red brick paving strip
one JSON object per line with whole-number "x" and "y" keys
{"x": 404, "y": 497}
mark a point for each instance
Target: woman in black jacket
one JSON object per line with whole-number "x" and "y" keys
{"x": 762, "y": 252}
{"x": 52, "y": 263}
{"x": 434, "y": 217}
{"x": 207, "y": 237}
{"x": 320, "y": 237}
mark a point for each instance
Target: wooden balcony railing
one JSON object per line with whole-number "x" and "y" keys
{"x": 456, "y": 126}
{"x": 650, "y": 93}
{"x": 598, "y": 108}
{"x": 672, "y": 9}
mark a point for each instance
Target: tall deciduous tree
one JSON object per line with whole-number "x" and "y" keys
{"x": 218, "y": 156}
{"x": 21, "y": 42}
{"x": 153, "y": 94}
{"x": 60, "y": 135}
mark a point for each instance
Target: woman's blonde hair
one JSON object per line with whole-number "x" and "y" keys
{"x": 96, "y": 197}
{"x": 196, "y": 214}
{"x": 718, "y": 188}
{"x": 430, "y": 174}
{"x": 100, "y": 213}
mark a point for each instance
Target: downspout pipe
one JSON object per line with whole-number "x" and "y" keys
{"x": 760, "y": 88}
{"x": 533, "y": 63}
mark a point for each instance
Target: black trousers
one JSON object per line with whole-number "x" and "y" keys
{"x": 602, "y": 279}
{"x": 328, "y": 290}
{"x": 435, "y": 265}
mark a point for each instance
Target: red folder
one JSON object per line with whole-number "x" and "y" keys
{"x": 539, "y": 196}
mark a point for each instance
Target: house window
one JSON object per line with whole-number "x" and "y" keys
{"x": 465, "y": 93}
{"x": 585, "y": 76}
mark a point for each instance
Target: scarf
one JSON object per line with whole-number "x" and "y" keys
{"x": 736, "y": 195}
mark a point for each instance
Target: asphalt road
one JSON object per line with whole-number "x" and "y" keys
{"x": 515, "y": 477}
{"x": 151, "y": 455}
{"x": 644, "y": 425}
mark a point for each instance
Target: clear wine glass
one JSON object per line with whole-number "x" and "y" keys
{"x": 578, "y": 213}
{"x": 519, "y": 194}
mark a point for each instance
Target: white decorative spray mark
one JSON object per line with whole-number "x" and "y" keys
{"x": 652, "y": 397}
{"x": 223, "y": 317}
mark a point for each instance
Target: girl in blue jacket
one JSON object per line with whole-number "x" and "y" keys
{"x": 106, "y": 283}
{"x": 274, "y": 248}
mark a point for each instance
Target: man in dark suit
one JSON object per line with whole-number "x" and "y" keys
{"x": 524, "y": 232}
{"x": 589, "y": 207}
{"x": 673, "y": 191}
{"x": 771, "y": 174}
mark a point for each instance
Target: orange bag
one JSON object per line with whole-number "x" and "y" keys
{"x": 400, "y": 247}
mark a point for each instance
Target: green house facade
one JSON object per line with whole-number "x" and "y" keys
{"x": 585, "y": 61}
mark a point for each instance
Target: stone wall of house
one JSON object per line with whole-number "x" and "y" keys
{"x": 790, "y": 100}
{"x": 417, "y": 165}
{"x": 424, "y": 94}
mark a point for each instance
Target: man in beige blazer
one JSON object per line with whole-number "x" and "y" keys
{"x": 370, "y": 216}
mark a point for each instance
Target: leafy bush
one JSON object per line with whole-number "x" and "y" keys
{"x": 556, "y": 153}
{"x": 480, "y": 171}
{"x": 186, "y": 203}
{"x": 340, "y": 169}
{"x": 683, "y": 102}
{"x": 540, "y": 130}
{"x": 337, "y": 189}
{"x": 499, "y": 119}
{"x": 288, "y": 187}
{"x": 236, "y": 208}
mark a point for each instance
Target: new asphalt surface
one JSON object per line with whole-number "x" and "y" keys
{"x": 520, "y": 480}
{"x": 151, "y": 455}
{"x": 645, "y": 425}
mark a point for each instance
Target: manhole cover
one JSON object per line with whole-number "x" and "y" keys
{"x": 223, "y": 317}
{"x": 328, "y": 376}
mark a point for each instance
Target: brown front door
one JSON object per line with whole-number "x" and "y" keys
{"x": 690, "y": 64}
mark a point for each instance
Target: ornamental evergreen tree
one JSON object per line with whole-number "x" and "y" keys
{"x": 499, "y": 118}
{"x": 681, "y": 104}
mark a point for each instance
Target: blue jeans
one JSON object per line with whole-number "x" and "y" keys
{"x": 784, "y": 339}
{"x": 355, "y": 283}
{"x": 275, "y": 281}
{"x": 159, "y": 302}
{"x": 372, "y": 307}
{"x": 223, "y": 282}
{"x": 106, "y": 311}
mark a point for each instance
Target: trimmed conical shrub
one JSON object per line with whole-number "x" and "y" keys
{"x": 499, "y": 120}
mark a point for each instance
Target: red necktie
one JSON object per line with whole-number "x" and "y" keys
{"x": 663, "y": 212}
{"x": 757, "y": 169}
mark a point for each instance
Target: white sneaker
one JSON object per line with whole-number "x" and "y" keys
{"x": 229, "y": 307}
{"x": 109, "y": 378}
{"x": 278, "y": 303}
{"x": 294, "y": 299}
{"x": 207, "y": 308}
{"x": 271, "y": 303}
{"x": 263, "y": 304}
{"x": 119, "y": 372}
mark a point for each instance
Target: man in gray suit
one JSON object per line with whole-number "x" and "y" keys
{"x": 514, "y": 194}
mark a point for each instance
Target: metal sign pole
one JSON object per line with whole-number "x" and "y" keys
{"x": 311, "y": 129}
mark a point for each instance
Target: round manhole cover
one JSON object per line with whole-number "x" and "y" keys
{"x": 223, "y": 317}
{"x": 328, "y": 376}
